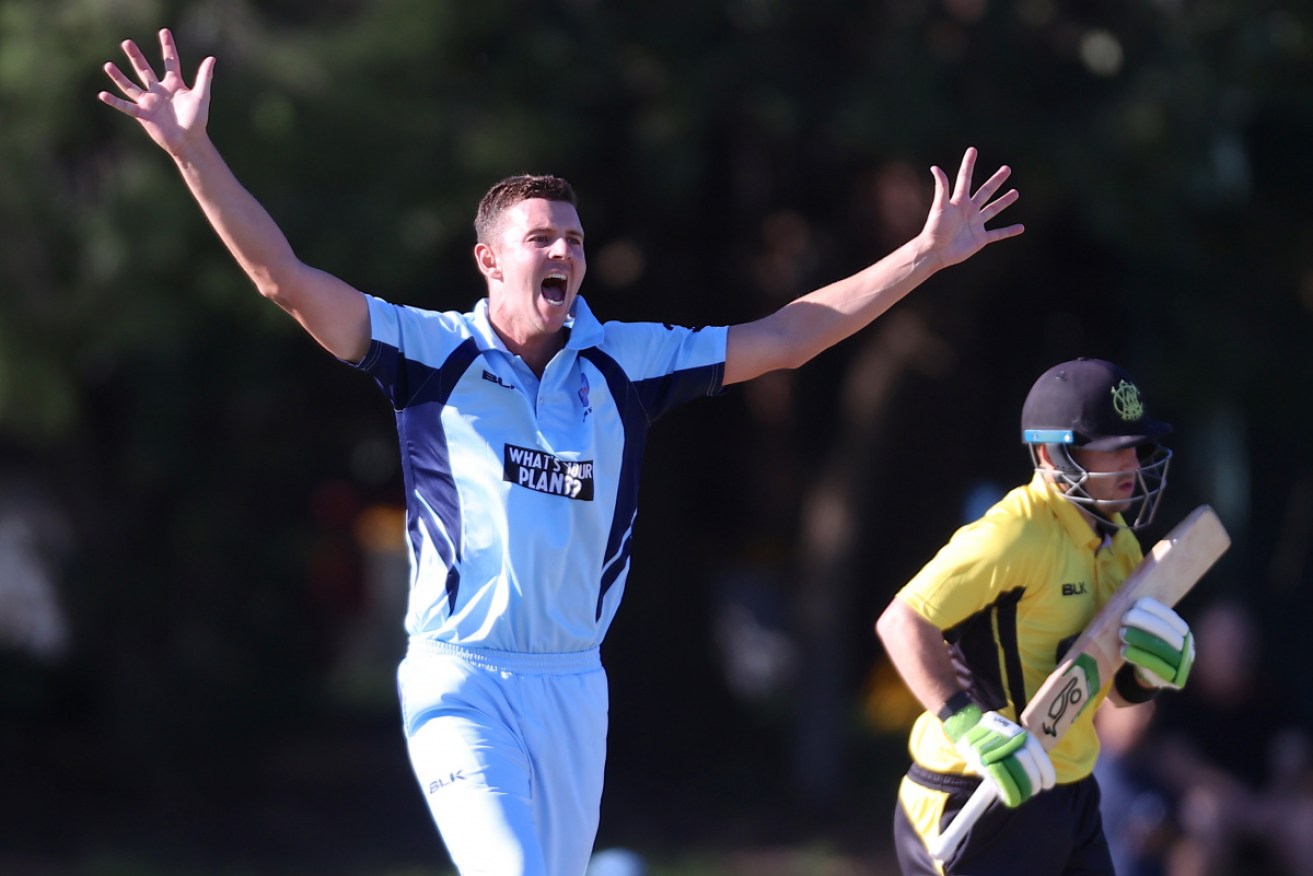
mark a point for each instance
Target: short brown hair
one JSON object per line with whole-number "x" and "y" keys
{"x": 511, "y": 191}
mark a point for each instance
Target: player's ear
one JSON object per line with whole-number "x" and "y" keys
{"x": 1042, "y": 454}
{"x": 486, "y": 258}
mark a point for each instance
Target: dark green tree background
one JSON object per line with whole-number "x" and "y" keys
{"x": 189, "y": 458}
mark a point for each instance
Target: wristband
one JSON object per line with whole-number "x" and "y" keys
{"x": 956, "y": 703}
{"x": 1130, "y": 689}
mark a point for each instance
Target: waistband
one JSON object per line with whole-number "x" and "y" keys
{"x": 511, "y": 661}
{"x": 952, "y": 783}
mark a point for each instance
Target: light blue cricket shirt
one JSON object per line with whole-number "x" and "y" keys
{"x": 521, "y": 494}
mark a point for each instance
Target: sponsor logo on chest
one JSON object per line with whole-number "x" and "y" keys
{"x": 545, "y": 473}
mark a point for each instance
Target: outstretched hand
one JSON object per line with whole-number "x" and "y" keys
{"x": 955, "y": 228}
{"x": 169, "y": 110}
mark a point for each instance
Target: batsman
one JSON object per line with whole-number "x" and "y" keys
{"x": 980, "y": 627}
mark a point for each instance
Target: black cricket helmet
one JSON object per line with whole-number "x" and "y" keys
{"x": 1096, "y": 405}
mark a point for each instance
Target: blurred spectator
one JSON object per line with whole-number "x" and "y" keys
{"x": 1233, "y": 753}
{"x": 616, "y": 862}
{"x": 757, "y": 657}
{"x": 1135, "y": 806}
{"x": 34, "y": 535}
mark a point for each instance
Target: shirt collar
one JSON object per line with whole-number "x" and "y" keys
{"x": 1069, "y": 515}
{"x": 584, "y": 329}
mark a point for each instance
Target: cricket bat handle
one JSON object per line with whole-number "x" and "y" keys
{"x": 943, "y": 846}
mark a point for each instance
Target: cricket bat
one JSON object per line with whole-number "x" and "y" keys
{"x": 1168, "y": 571}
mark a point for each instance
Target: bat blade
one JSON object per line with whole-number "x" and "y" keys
{"x": 1168, "y": 572}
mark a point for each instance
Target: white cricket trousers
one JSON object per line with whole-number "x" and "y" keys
{"x": 509, "y": 750}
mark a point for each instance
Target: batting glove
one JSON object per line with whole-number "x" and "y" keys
{"x": 1158, "y": 643}
{"x": 1002, "y": 752}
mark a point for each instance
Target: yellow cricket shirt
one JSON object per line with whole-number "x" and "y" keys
{"x": 1010, "y": 591}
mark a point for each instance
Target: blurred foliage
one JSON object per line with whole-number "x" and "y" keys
{"x": 729, "y": 155}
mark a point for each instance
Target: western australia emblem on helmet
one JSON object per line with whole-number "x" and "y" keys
{"x": 1126, "y": 401}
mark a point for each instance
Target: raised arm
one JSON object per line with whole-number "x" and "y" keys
{"x": 953, "y": 232}
{"x": 175, "y": 116}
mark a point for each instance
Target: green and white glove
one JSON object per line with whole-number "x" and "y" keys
{"x": 1002, "y": 752}
{"x": 1158, "y": 643}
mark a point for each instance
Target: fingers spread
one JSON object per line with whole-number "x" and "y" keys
{"x": 204, "y": 74}
{"x": 964, "y": 173}
{"x": 995, "y": 234}
{"x": 124, "y": 84}
{"x": 118, "y": 103}
{"x": 941, "y": 188}
{"x": 169, "y": 51}
{"x": 993, "y": 208}
{"x": 140, "y": 64}
{"x": 991, "y": 185}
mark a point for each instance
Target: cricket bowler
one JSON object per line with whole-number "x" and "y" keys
{"x": 522, "y": 423}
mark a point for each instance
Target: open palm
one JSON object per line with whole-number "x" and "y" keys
{"x": 955, "y": 226}
{"x": 167, "y": 108}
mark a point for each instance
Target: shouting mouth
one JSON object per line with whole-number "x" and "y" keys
{"x": 554, "y": 288}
